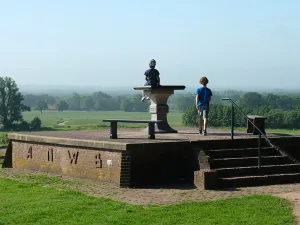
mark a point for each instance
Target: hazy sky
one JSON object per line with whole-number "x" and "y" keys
{"x": 106, "y": 43}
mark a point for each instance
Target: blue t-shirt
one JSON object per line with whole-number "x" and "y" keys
{"x": 204, "y": 95}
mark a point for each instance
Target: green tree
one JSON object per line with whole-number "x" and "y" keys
{"x": 286, "y": 102}
{"x": 252, "y": 100}
{"x": 36, "y": 123}
{"x": 103, "y": 101}
{"x": 292, "y": 119}
{"x": 62, "y": 105}
{"x": 32, "y": 99}
{"x": 139, "y": 106}
{"x": 87, "y": 103}
{"x": 182, "y": 102}
{"x": 74, "y": 101}
{"x": 42, "y": 105}
{"x": 275, "y": 119}
{"x": 219, "y": 115}
{"x": 11, "y": 105}
{"x": 118, "y": 100}
{"x": 126, "y": 105}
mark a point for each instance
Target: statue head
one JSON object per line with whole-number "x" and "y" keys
{"x": 152, "y": 63}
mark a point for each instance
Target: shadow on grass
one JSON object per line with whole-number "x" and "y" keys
{"x": 229, "y": 189}
{"x": 146, "y": 139}
{"x": 168, "y": 186}
{"x": 282, "y": 135}
{"x": 185, "y": 186}
{"x": 215, "y": 134}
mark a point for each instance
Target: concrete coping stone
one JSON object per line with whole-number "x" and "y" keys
{"x": 68, "y": 141}
{"x": 121, "y": 146}
{"x": 256, "y": 116}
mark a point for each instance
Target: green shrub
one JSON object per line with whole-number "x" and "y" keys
{"x": 24, "y": 125}
{"x": 4, "y": 138}
{"x": 189, "y": 117}
{"x": 36, "y": 123}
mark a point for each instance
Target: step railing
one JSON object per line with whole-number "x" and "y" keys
{"x": 261, "y": 134}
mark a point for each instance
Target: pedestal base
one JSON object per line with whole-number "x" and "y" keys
{"x": 159, "y": 107}
{"x": 163, "y": 127}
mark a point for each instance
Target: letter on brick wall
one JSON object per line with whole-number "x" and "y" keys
{"x": 73, "y": 158}
{"x": 29, "y": 155}
{"x": 50, "y": 154}
{"x": 98, "y": 161}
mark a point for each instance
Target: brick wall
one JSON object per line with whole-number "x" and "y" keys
{"x": 101, "y": 164}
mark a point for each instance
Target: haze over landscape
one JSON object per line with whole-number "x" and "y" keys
{"x": 78, "y": 145}
{"x": 107, "y": 45}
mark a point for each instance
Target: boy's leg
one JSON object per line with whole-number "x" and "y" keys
{"x": 200, "y": 115}
{"x": 205, "y": 125}
{"x": 205, "y": 120}
{"x": 143, "y": 98}
{"x": 200, "y": 125}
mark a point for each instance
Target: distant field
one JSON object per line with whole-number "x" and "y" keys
{"x": 81, "y": 119}
{"x": 93, "y": 120}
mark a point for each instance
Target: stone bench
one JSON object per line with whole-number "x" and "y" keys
{"x": 113, "y": 126}
{"x": 259, "y": 121}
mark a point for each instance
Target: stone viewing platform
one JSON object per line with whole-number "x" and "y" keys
{"x": 132, "y": 160}
{"x": 130, "y": 136}
{"x": 159, "y": 107}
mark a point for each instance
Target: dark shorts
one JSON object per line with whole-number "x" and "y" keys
{"x": 203, "y": 111}
{"x": 148, "y": 83}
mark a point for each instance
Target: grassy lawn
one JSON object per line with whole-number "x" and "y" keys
{"x": 93, "y": 119}
{"x": 39, "y": 203}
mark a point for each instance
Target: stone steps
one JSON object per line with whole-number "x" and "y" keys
{"x": 247, "y": 161}
{"x": 258, "y": 180}
{"x": 239, "y": 167}
{"x": 252, "y": 170}
{"x": 244, "y": 152}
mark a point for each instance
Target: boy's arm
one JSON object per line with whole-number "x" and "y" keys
{"x": 209, "y": 99}
{"x": 197, "y": 99}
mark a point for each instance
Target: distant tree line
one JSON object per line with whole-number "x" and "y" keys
{"x": 282, "y": 111}
{"x": 98, "y": 101}
{"x": 252, "y": 100}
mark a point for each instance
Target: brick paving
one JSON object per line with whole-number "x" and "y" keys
{"x": 139, "y": 135}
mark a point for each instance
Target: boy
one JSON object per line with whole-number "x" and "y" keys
{"x": 203, "y": 97}
{"x": 152, "y": 77}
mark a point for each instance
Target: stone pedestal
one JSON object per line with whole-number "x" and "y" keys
{"x": 159, "y": 107}
{"x": 259, "y": 121}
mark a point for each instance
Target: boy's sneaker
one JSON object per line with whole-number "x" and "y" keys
{"x": 200, "y": 131}
{"x": 143, "y": 99}
{"x": 148, "y": 98}
{"x": 204, "y": 133}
